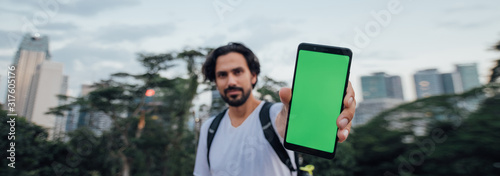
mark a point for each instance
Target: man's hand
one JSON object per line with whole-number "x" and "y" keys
{"x": 344, "y": 121}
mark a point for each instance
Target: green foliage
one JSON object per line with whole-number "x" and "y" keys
{"x": 441, "y": 135}
{"x": 473, "y": 147}
{"x": 34, "y": 155}
{"x": 495, "y": 75}
{"x": 164, "y": 146}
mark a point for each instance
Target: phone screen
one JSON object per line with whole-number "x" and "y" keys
{"x": 317, "y": 94}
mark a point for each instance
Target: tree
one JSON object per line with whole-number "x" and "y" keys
{"x": 147, "y": 129}
{"x": 32, "y": 153}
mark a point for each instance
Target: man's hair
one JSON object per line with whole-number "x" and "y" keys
{"x": 208, "y": 68}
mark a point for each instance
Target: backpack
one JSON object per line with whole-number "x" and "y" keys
{"x": 269, "y": 133}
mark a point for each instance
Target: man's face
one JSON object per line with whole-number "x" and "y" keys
{"x": 233, "y": 78}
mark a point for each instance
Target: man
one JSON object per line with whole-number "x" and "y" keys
{"x": 239, "y": 146}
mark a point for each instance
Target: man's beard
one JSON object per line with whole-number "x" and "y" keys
{"x": 235, "y": 102}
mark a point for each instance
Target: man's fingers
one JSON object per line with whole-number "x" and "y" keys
{"x": 342, "y": 134}
{"x": 349, "y": 96}
{"x": 347, "y": 113}
{"x": 345, "y": 117}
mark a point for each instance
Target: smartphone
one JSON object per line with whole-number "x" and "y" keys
{"x": 319, "y": 84}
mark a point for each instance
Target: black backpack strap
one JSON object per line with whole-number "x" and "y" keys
{"x": 271, "y": 136}
{"x": 211, "y": 133}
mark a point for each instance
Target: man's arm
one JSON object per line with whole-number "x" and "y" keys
{"x": 343, "y": 121}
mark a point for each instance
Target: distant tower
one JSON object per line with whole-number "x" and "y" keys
{"x": 46, "y": 84}
{"x": 380, "y": 92}
{"x": 469, "y": 76}
{"x": 34, "y": 49}
{"x": 60, "y": 126}
{"x": 452, "y": 83}
{"x": 428, "y": 83}
{"x": 381, "y": 85}
{"x": 38, "y": 82}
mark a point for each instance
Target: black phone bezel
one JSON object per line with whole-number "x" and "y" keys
{"x": 324, "y": 49}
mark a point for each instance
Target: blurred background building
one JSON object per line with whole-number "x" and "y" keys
{"x": 381, "y": 85}
{"x": 38, "y": 82}
{"x": 430, "y": 82}
{"x": 468, "y": 75}
{"x": 380, "y": 92}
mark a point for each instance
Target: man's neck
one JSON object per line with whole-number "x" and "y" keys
{"x": 239, "y": 114}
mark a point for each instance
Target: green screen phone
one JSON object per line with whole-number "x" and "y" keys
{"x": 319, "y": 84}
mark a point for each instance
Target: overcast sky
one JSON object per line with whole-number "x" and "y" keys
{"x": 94, "y": 38}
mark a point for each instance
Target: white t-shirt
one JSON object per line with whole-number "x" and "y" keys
{"x": 241, "y": 151}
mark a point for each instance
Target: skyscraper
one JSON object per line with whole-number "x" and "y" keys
{"x": 38, "y": 82}
{"x": 381, "y": 85}
{"x": 428, "y": 83}
{"x": 60, "y": 126}
{"x": 32, "y": 51}
{"x": 380, "y": 92}
{"x": 97, "y": 121}
{"x": 45, "y": 86}
{"x": 451, "y": 83}
{"x": 469, "y": 76}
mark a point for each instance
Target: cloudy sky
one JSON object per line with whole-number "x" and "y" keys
{"x": 94, "y": 38}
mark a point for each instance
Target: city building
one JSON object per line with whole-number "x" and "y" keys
{"x": 60, "y": 126}
{"x": 380, "y": 92}
{"x": 428, "y": 83}
{"x": 46, "y": 84}
{"x": 468, "y": 75}
{"x": 451, "y": 83}
{"x": 381, "y": 85}
{"x": 38, "y": 82}
{"x": 33, "y": 50}
{"x": 97, "y": 122}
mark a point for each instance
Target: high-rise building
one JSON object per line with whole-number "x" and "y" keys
{"x": 380, "y": 92}
{"x": 469, "y": 76}
{"x": 33, "y": 50}
{"x": 428, "y": 83}
{"x": 46, "y": 84}
{"x": 451, "y": 83}
{"x": 60, "y": 126}
{"x": 96, "y": 121}
{"x": 381, "y": 85}
{"x": 72, "y": 118}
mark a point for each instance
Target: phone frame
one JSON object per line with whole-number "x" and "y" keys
{"x": 323, "y": 49}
